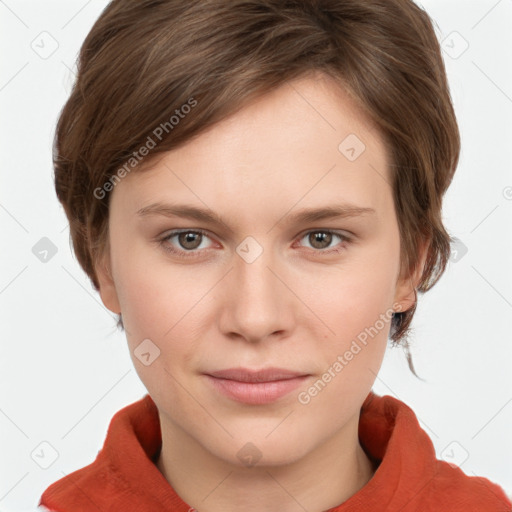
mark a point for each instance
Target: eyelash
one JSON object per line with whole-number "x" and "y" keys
{"x": 195, "y": 253}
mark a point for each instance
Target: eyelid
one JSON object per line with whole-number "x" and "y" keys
{"x": 340, "y": 232}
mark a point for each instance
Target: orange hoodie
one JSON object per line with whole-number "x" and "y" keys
{"x": 124, "y": 477}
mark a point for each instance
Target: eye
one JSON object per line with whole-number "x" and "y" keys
{"x": 188, "y": 241}
{"x": 321, "y": 239}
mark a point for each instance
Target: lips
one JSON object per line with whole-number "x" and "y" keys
{"x": 247, "y": 375}
{"x": 256, "y": 387}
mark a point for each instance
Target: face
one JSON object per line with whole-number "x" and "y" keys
{"x": 259, "y": 284}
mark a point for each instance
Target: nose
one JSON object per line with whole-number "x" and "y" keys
{"x": 256, "y": 299}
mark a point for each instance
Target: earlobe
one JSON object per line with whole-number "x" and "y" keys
{"x": 405, "y": 296}
{"x": 107, "y": 291}
{"x": 406, "y": 291}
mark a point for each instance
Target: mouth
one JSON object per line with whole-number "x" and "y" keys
{"x": 256, "y": 387}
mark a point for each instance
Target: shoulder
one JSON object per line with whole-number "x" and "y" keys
{"x": 391, "y": 433}
{"x": 451, "y": 489}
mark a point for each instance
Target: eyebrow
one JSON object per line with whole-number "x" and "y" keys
{"x": 305, "y": 215}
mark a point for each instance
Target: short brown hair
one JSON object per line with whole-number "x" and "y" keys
{"x": 145, "y": 59}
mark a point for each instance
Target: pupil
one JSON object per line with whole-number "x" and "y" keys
{"x": 188, "y": 238}
{"x": 320, "y": 237}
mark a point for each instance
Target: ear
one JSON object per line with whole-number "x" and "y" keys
{"x": 107, "y": 289}
{"x": 406, "y": 286}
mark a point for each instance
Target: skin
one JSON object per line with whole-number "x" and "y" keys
{"x": 293, "y": 307}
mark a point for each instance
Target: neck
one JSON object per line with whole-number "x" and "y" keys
{"x": 323, "y": 479}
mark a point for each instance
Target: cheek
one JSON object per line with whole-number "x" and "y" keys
{"x": 156, "y": 304}
{"x": 357, "y": 308}
{"x": 354, "y": 295}
{"x": 160, "y": 300}
{"x": 143, "y": 288}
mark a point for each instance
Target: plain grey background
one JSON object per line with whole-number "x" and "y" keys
{"x": 65, "y": 368}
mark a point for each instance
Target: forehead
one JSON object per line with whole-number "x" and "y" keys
{"x": 306, "y": 113}
{"x": 303, "y": 141}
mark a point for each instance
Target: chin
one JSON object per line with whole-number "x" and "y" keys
{"x": 263, "y": 450}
